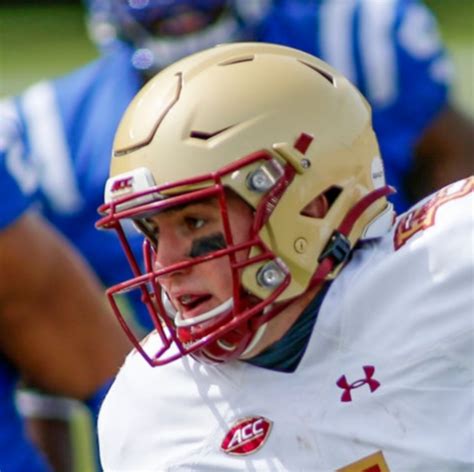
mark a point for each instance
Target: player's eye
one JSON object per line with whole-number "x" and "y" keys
{"x": 193, "y": 222}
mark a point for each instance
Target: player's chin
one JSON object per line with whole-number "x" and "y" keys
{"x": 204, "y": 328}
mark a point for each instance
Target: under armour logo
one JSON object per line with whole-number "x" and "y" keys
{"x": 347, "y": 387}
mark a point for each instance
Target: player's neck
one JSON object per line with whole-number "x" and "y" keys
{"x": 278, "y": 326}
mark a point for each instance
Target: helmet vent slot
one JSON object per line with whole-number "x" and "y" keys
{"x": 322, "y": 72}
{"x": 237, "y": 60}
{"x": 204, "y": 135}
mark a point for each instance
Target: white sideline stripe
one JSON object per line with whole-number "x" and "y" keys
{"x": 49, "y": 148}
{"x": 377, "y": 50}
{"x": 336, "y": 35}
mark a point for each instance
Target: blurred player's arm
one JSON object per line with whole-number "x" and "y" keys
{"x": 55, "y": 324}
{"x": 444, "y": 153}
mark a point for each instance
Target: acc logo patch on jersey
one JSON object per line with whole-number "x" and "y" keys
{"x": 247, "y": 436}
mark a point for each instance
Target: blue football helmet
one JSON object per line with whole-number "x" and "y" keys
{"x": 162, "y": 31}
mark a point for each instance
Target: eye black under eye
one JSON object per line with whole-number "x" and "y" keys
{"x": 207, "y": 244}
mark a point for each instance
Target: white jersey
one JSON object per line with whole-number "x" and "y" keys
{"x": 385, "y": 384}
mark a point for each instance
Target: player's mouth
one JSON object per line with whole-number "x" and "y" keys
{"x": 191, "y": 305}
{"x": 198, "y": 314}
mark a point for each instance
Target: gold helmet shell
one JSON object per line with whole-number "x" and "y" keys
{"x": 218, "y": 106}
{"x": 274, "y": 125}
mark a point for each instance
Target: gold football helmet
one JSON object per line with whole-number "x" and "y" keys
{"x": 279, "y": 128}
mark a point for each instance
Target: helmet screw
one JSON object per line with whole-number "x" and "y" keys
{"x": 270, "y": 275}
{"x": 300, "y": 245}
{"x": 305, "y": 163}
{"x": 259, "y": 181}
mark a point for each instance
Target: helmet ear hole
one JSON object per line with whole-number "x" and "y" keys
{"x": 332, "y": 194}
{"x": 320, "y": 205}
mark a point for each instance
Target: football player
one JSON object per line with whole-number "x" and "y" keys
{"x": 56, "y": 330}
{"x": 298, "y": 325}
{"x": 66, "y": 125}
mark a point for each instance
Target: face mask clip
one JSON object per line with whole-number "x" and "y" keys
{"x": 338, "y": 249}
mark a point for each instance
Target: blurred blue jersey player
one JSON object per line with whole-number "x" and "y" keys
{"x": 390, "y": 49}
{"x": 16, "y": 452}
{"x": 53, "y": 316}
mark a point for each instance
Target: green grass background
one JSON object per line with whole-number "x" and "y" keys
{"x": 42, "y": 41}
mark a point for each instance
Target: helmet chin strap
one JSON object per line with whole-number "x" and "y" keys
{"x": 235, "y": 343}
{"x": 256, "y": 338}
{"x": 339, "y": 248}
